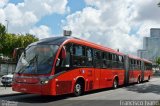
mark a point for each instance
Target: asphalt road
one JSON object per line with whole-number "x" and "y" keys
{"x": 142, "y": 94}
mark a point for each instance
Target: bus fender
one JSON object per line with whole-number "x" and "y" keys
{"x": 116, "y": 76}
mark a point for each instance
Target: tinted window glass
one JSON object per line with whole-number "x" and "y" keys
{"x": 89, "y": 60}
{"x": 79, "y": 58}
{"x": 97, "y": 58}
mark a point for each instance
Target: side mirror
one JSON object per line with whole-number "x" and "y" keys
{"x": 63, "y": 53}
{"x": 17, "y": 53}
{"x": 57, "y": 62}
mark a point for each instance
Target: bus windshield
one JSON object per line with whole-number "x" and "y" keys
{"x": 37, "y": 59}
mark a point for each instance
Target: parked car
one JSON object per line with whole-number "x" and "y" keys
{"x": 7, "y": 80}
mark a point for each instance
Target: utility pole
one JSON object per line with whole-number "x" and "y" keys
{"x": 7, "y": 25}
{"x": 7, "y": 22}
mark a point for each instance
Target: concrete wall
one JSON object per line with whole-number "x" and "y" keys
{"x": 6, "y": 68}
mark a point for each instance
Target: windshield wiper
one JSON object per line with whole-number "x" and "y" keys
{"x": 31, "y": 62}
{"x": 36, "y": 62}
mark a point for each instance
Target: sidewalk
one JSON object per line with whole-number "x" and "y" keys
{"x": 7, "y": 91}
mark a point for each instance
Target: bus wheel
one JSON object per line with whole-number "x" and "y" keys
{"x": 148, "y": 78}
{"x": 138, "y": 80}
{"x": 115, "y": 83}
{"x": 78, "y": 89}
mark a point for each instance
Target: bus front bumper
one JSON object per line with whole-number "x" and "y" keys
{"x": 32, "y": 88}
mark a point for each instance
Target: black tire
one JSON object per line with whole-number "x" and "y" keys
{"x": 148, "y": 78}
{"x": 78, "y": 89}
{"x": 115, "y": 84}
{"x": 138, "y": 80}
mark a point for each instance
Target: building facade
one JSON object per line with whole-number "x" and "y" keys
{"x": 7, "y": 67}
{"x": 151, "y": 45}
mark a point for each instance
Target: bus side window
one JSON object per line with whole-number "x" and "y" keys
{"x": 109, "y": 60}
{"x": 130, "y": 64}
{"x": 148, "y": 66}
{"x": 140, "y": 65}
{"x": 120, "y": 64}
{"x": 67, "y": 61}
{"x": 89, "y": 57}
{"x": 78, "y": 55}
{"x": 97, "y": 58}
{"x": 63, "y": 64}
{"x": 144, "y": 66}
{"x": 114, "y": 61}
{"x": 104, "y": 58}
{"x": 117, "y": 61}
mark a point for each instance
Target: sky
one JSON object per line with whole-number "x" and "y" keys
{"x": 118, "y": 24}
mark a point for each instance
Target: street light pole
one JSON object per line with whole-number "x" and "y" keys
{"x": 7, "y": 25}
{"x": 7, "y": 32}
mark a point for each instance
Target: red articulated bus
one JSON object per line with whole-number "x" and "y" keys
{"x": 147, "y": 70}
{"x": 62, "y": 65}
{"x": 137, "y": 69}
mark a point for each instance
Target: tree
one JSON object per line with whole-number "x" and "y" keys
{"x": 2, "y": 35}
{"x": 15, "y": 41}
{"x": 10, "y": 41}
{"x": 158, "y": 60}
{"x": 2, "y": 30}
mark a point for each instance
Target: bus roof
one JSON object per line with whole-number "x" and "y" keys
{"x": 60, "y": 40}
{"x": 145, "y": 60}
{"x": 51, "y": 40}
{"x": 134, "y": 57}
{"x": 95, "y": 46}
{"x": 138, "y": 58}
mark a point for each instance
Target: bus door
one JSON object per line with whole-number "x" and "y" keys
{"x": 90, "y": 70}
{"x": 97, "y": 55}
{"x": 106, "y": 75}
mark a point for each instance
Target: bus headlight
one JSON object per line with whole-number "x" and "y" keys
{"x": 44, "y": 82}
{"x": 45, "y": 79}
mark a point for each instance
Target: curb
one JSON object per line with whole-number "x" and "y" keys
{"x": 12, "y": 94}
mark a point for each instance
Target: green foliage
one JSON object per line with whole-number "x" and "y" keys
{"x": 158, "y": 60}
{"x": 2, "y": 35}
{"x": 2, "y": 30}
{"x": 10, "y": 41}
